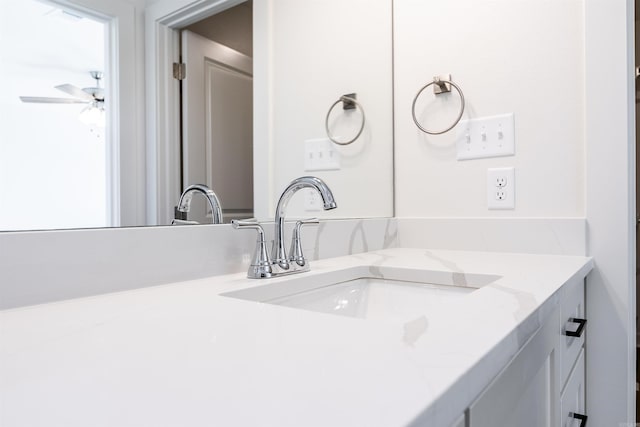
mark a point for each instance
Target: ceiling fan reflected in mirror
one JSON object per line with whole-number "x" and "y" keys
{"x": 92, "y": 114}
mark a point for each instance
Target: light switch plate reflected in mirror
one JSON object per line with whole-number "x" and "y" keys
{"x": 321, "y": 154}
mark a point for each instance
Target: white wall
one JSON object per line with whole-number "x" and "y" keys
{"x": 566, "y": 70}
{"x": 557, "y": 236}
{"x": 610, "y": 144}
{"x": 320, "y": 51}
{"x": 524, "y": 57}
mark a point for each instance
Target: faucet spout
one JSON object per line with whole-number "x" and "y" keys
{"x": 328, "y": 202}
{"x": 185, "y": 201}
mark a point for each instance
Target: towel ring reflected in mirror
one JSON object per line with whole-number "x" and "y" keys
{"x": 348, "y": 103}
{"x": 442, "y": 85}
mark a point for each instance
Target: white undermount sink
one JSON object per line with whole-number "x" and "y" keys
{"x": 368, "y": 293}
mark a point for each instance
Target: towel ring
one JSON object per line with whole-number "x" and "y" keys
{"x": 349, "y": 103}
{"x": 441, "y": 88}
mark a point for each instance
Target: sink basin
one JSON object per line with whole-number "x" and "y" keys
{"x": 374, "y": 298}
{"x": 390, "y": 293}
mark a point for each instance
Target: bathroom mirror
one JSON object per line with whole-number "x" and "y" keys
{"x": 306, "y": 55}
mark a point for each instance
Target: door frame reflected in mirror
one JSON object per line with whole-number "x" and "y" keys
{"x": 162, "y": 23}
{"x": 126, "y": 107}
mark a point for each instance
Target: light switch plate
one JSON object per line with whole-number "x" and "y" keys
{"x": 486, "y": 137}
{"x": 321, "y": 155}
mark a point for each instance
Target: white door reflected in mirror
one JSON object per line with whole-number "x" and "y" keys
{"x": 217, "y": 140}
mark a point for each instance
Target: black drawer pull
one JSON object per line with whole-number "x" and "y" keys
{"x": 582, "y": 418}
{"x": 578, "y": 333}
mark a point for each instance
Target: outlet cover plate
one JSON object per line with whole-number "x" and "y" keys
{"x": 312, "y": 200}
{"x": 501, "y": 188}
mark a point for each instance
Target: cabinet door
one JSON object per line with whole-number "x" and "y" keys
{"x": 525, "y": 393}
{"x": 572, "y": 400}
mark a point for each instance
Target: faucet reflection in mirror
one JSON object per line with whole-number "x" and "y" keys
{"x": 184, "y": 205}
{"x": 262, "y": 267}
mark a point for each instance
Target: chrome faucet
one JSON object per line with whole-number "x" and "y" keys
{"x": 262, "y": 266}
{"x": 185, "y": 203}
{"x": 279, "y": 254}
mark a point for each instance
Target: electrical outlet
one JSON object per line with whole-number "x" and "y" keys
{"x": 312, "y": 201}
{"x": 501, "y": 189}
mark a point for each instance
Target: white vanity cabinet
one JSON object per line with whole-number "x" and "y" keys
{"x": 572, "y": 353}
{"x": 544, "y": 384}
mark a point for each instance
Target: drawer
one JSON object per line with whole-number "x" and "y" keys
{"x": 572, "y": 400}
{"x": 572, "y": 307}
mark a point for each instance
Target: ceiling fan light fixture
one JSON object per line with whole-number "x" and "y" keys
{"x": 93, "y": 114}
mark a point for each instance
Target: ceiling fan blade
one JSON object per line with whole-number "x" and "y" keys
{"x": 43, "y": 100}
{"x": 75, "y": 91}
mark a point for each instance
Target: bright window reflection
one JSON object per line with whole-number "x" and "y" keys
{"x": 53, "y": 170}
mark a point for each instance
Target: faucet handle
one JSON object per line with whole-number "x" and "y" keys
{"x": 236, "y": 223}
{"x": 261, "y": 264}
{"x": 177, "y": 221}
{"x": 295, "y": 253}
{"x": 307, "y": 221}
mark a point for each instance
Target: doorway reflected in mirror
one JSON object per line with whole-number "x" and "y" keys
{"x": 217, "y": 111}
{"x": 54, "y": 167}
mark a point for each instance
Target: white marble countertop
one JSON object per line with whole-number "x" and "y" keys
{"x": 182, "y": 355}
